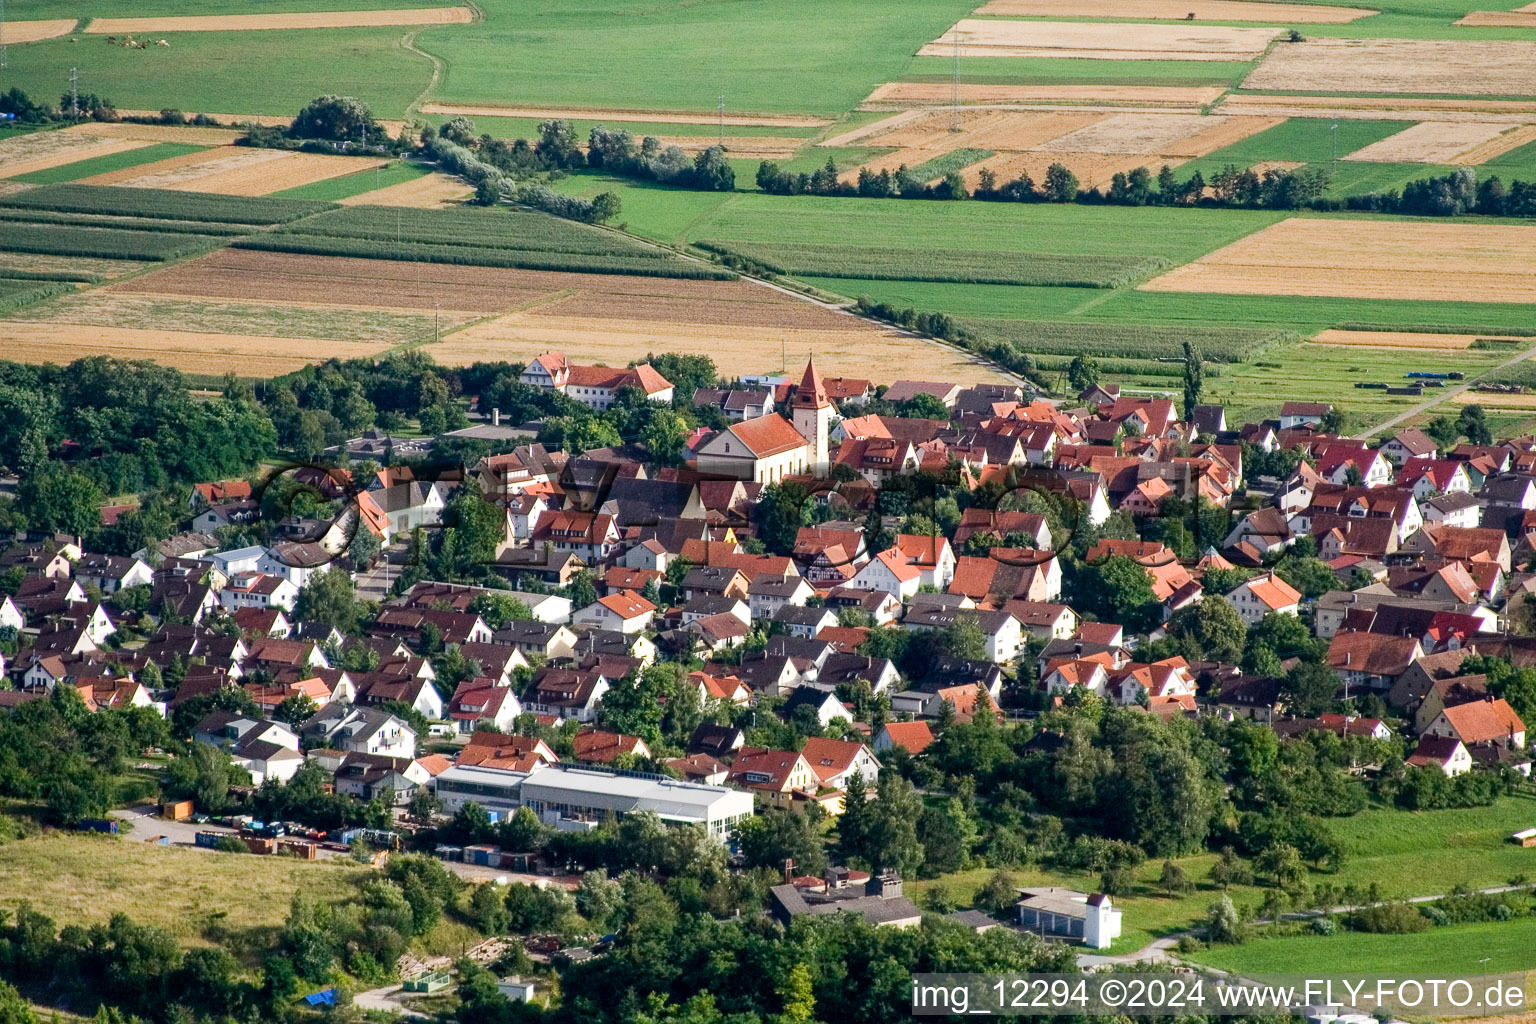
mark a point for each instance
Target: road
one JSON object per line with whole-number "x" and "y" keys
{"x": 386, "y": 1000}
{"x": 1443, "y": 396}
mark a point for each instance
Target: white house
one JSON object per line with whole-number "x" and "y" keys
{"x": 1262, "y": 595}
{"x": 623, "y": 610}
{"x": 595, "y": 386}
{"x": 889, "y": 571}
{"x": 257, "y": 590}
{"x": 360, "y": 730}
{"x": 111, "y": 573}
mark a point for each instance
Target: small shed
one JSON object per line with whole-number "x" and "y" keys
{"x": 1525, "y": 837}
{"x": 516, "y": 989}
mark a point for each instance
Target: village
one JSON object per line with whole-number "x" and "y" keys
{"x": 796, "y": 612}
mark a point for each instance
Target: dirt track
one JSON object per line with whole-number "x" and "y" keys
{"x": 259, "y": 22}
{"x": 1174, "y": 10}
{"x": 644, "y": 116}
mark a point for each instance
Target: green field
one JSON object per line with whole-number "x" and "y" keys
{"x": 1488, "y": 948}
{"x": 105, "y": 164}
{"x": 163, "y": 204}
{"x": 349, "y": 185}
{"x": 802, "y": 56}
{"x": 211, "y": 72}
{"x": 112, "y": 243}
{"x": 28, "y": 10}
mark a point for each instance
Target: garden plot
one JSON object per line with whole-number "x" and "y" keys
{"x": 1174, "y": 10}
{"x": 1101, "y": 41}
{"x": 1421, "y": 66}
{"x": 255, "y": 22}
{"x": 899, "y": 94}
{"x": 1420, "y": 260}
{"x": 1446, "y": 142}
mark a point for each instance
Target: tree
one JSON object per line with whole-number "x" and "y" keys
{"x": 488, "y": 909}
{"x": 1209, "y": 631}
{"x": 1310, "y": 688}
{"x": 773, "y": 837}
{"x": 1173, "y": 879}
{"x": 57, "y": 499}
{"x": 337, "y": 118}
{"x": 1282, "y": 863}
{"x": 664, "y": 436}
{"x": 1060, "y": 184}
{"x": 13, "y": 1008}
{"x": 1083, "y": 373}
{"x": 781, "y": 511}
{"x": 963, "y": 638}
{"x": 203, "y": 774}
{"x": 598, "y": 898}
{"x": 296, "y": 709}
{"x": 499, "y": 608}
{"x": 923, "y": 406}
{"x": 1120, "y": 590}
{"x": 1223, "y": 924}
{"x": 797, "y": 997}
{"x": 1472, "y": 423}
{"x": 424, "y": 804}
{"x": 329, "y": 598}
{"x": 998, "y": 893}
{"x": 889, "y": 839}
{"x": 1194, "y": 377}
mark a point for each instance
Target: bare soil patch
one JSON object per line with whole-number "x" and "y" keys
{"x": 32, "y": 31}
{"x": 194, "y": 352}
{"x": 1520, "y": 18}
{"x": 257, "y": 22}
{"x": 1116, "y": 41}
{"x": 893, "y": 94}
{"x": 39, "y": 151}
{"x": 1186, "y": 135}
{"x": 1431, "y": 142}
{"x": 1425, "y": 66}
{"x": 1395, "y": 339}
{"x": 645, "y": 116}
{"x": 1369, "y": 259}
{"x": 1174, "y": 10}
{"x": 735, "y": 349}
{"x": 293, "y": 170}
{"x": 424, "y": 193}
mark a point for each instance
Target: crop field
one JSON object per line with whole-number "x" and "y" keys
{"x": 492, "y": 229}
{"x": 70, "y": 267}
{"x": 1424, "y": 66}
{"x": 1397, "y": 340}
{"x": 32, "y": 31}
{"x": 1441, "y": 142}
{"x": 626, "y": 118}
{"x": 168, "y": 205}
{"x": 109, "y": 165}
{"x": 1387, "y": 108}
{"x": 481, "y": 256}
{"x": 431, "y": 191}
{"x": 1370, "y": 259}
{"x": 39, "y": 151}
{"x": 967, "y": 266}
{"x": 1174, "y": 10}
{"x": 346, "y": 186}
{"x": 898, "y": 94}
{"x": 107, "y": 243}
{"x": 197, "y": 135}
{"x": 305, "y": 20}
{"x": 1112, "y": 340}
{"x": 88, "y": 220}
{"x": 977, "y": 37}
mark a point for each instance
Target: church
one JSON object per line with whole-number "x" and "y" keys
{"x": 769, "y": 448}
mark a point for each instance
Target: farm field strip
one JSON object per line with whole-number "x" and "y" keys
{"x": 127, "y": 160}
{"x": 177, "y": 174}
{"x": 32, "y": 31}
{"x": 1424, "y": 66}
{"x": 198, "y": 135}
{"x": 978, "y": 37}
{"x": 431, "y": 191}
{"x": 1091, "y": 169}
{"x": 1382, "y": 108}
{"x": 160, "y": 169}
{"x": 1003, "y": 131}
{"x": 619, "y": 115}
{"x": 1174, "y": 10}
{"x": 735, "y": 349}
{"x": 1394, "y": 340}
{"x": 1438, "y": 142}
{"x": 895, "y": 94}
{"x": 1187, "y": 135}
{"x": 71, "y": 240}
{"x": 1369, "y": 259}
{"x": 1518, "y": 18}
{"x": 308, "y": 20}
{"x": 259, "y": 172}
{"x": 1498, "y": 146}
{"x": 40, "y": 151}
{"x": 191, "y": 351}
{"x": 43, "y": 263}
{"x": 1118, "y": 340}
{"x": 490, "y": 229}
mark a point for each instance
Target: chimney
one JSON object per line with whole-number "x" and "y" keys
{"x": 495, "y": 417}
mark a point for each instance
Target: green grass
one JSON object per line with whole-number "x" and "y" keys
{"x": 1488, "y": 948}
{"x": 500, "y": 228}
{"x": 349, "y": 185}
{"x": 162, "y": 204}
{"x": 1219, "y": 344}
{"x": 87, "y": 220}
{"x": 902, "y": 263}
{"x": 650, "y": 210}
{"x": 954, "y": 160}
{"x": 212, "y": 72}
{"x": 482, "y": 256}
{"x": 26, "y": 10}
{"x": 111, "y": 243}
{"x": 528, "y": 128}
{"x": 111, "y": 162}
{"x": 1305, "y": 139}
{"x": 804, "y": 56}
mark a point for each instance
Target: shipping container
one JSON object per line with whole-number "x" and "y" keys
{"x": 176, "y": 810}
{"x": 97, "y": 825}
{"x": 483, "y": 854}
{"x": 209, "y": 839}
{"x": 445, "y": 852}
{"x": 301, "y": 848}
{"x": 260, "y": 844}
{"x": 159, "y": 840}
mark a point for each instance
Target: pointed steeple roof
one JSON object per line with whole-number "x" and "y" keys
{"x": 812, "y": 393}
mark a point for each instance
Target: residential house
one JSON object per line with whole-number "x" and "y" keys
{"x": 595, "y": 386}
{"x": 1446, "y": 753}
{"x": 111, "y": 573}
{"x": 565, "y": 693}
{"x": 1487, "y": 721}
{"x": 1264, "y": 595}
{"x": 266, "y": 749}
{"x": 779, "y": 777}
{"x": 1303, "y": 414}
{"x": 624, "y": 611}
{"x": 913, "y": 737}
{"x": 359, "y": 729}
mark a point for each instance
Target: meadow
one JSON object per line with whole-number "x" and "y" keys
{"x": 1488, "y": 948}
{"x": 38, "y": 10}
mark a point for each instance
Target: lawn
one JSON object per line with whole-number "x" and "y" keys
{"x": 111, "y": 162}
{"x": 1489, "y": 948}
{"x": 803, "y": 56}
{"x": 210, "y": 72}
{"x": 332, "y": 189}
{"x": 84, "y": 878}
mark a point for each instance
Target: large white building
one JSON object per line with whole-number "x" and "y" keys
{"x": 769, "y": 448}
{"x": 571, "y": 797}
{"x": 595, "y": 386}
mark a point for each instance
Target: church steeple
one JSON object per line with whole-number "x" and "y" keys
{"x": 811, "y": 412}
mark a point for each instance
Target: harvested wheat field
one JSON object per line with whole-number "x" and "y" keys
{"x": 735, "y": 350}
{"x": 193, "y": 135}
{"x": 1174, "y": 10}
{"x": 1395, "y": 339}
{"x": 194, "y": 352}
{"x": 1520, "y": 18}
{"x": 39, "y": 151}
{"x": 10, "y": 188}
{"x": 1117, "y": 41}
{"x": 1430, "y": 142}
{"x": 1174, "y": 135}
{"x": 176, "y": 172}
{"x": 1496, "y": 147}
{"x": 1425, "y": 66}
{"x": 1383, "y": 108}
{"x": 740, "y": 147}
{"x": 427, "y": 192}
{"x": 132, "y": 175}
{"x": 293, "y": 170}
{"x": 646, "y": 116}
{"x": 892, "y": 161}
{"x": 257, "y": 22}
{"x": 1092, "y": 169}
{"x": 1369, "y": 260}
{"x": 999, "y": 130}
{"x": 896, "y": 94}
{"x": 48, "y": 264}
{"x": 384, "y": 328}
{"x": 1494, "y": 399}
{"x": 32, "y": 31}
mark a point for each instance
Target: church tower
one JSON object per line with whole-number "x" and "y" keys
{"x": 812, "y": 417}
